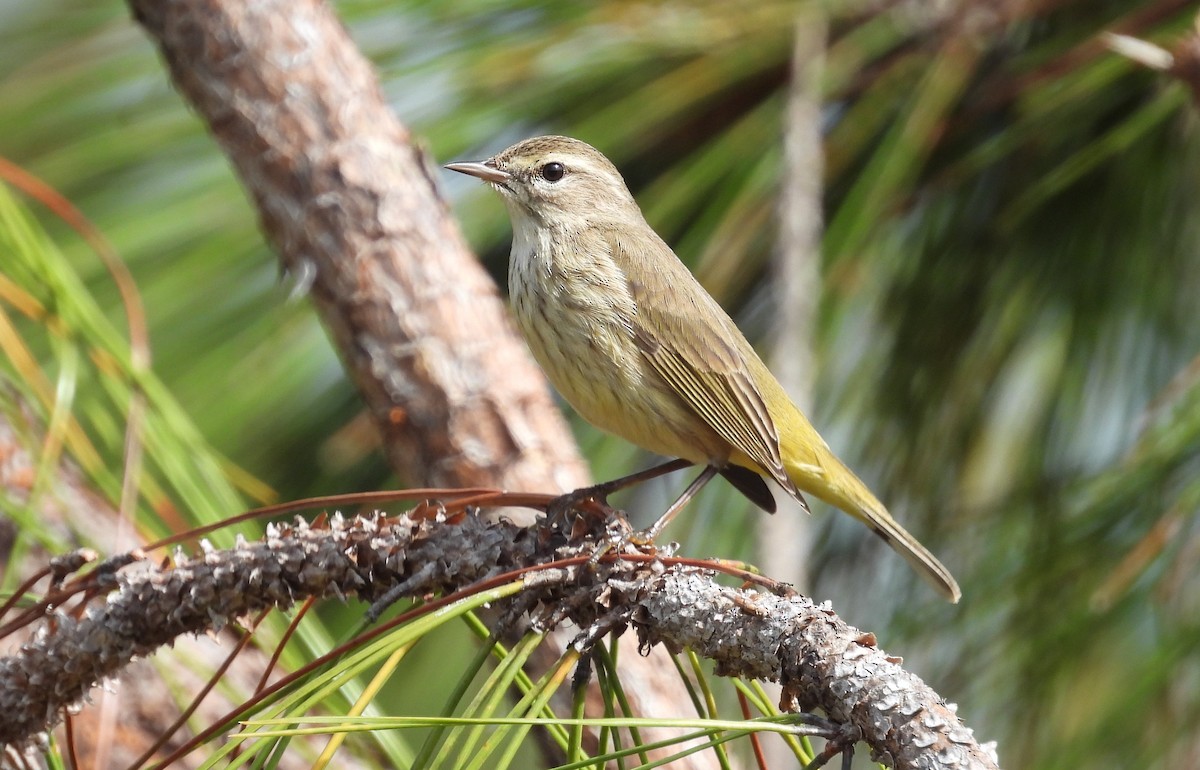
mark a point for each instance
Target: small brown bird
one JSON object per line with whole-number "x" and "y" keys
{"x": 640, "y": 349}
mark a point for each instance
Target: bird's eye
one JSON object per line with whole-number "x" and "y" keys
{"x": 552, "y": 172}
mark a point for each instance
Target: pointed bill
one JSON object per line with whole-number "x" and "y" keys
{"x": 486, "y": 171}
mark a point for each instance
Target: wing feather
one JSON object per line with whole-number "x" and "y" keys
{"x": 698, "y": 356}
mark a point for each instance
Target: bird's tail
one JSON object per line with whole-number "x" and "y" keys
{"x": 837, "y": 485}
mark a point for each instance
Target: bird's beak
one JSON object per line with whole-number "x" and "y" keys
{"x": 486, "y": 171}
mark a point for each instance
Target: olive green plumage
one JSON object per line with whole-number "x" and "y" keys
{"x": 630, "y": 338}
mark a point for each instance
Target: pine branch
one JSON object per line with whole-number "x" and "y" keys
{"x": 822, "y": 662}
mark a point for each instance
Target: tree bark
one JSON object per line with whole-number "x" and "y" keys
{"x": 348, "y": 200}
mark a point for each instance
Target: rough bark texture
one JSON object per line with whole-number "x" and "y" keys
{"x": 348, "y": 201}
{"x": 820, "y": 660}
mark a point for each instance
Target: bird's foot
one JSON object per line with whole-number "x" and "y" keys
{"x": 621, "y": 538}
{"x": 598, "y": 493}
{"x": 591, "y": 500}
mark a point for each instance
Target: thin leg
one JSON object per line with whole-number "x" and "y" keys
{"x": 647, "y": 536}
{"x": 600, "y": 492}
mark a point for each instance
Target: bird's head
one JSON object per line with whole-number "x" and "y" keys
{"x": 555, "y": 180}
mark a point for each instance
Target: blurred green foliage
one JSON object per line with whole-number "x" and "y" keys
{"x": 1007, "y": 339}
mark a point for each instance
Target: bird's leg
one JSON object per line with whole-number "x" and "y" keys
{"x": 647, "y": 536}
{"x": 600, "y": 492}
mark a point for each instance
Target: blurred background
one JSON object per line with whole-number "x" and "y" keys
{"x": 1004, "y": 340}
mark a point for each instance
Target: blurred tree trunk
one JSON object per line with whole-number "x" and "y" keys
{"x": 345, "y": 195}
{"x": 785, "y": 539}
{"x": 348, "y": 200}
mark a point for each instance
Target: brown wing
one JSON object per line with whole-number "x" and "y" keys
{"x": 700, "y": 354}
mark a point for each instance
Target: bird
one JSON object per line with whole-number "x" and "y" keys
{"x": 629, "y": 338}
